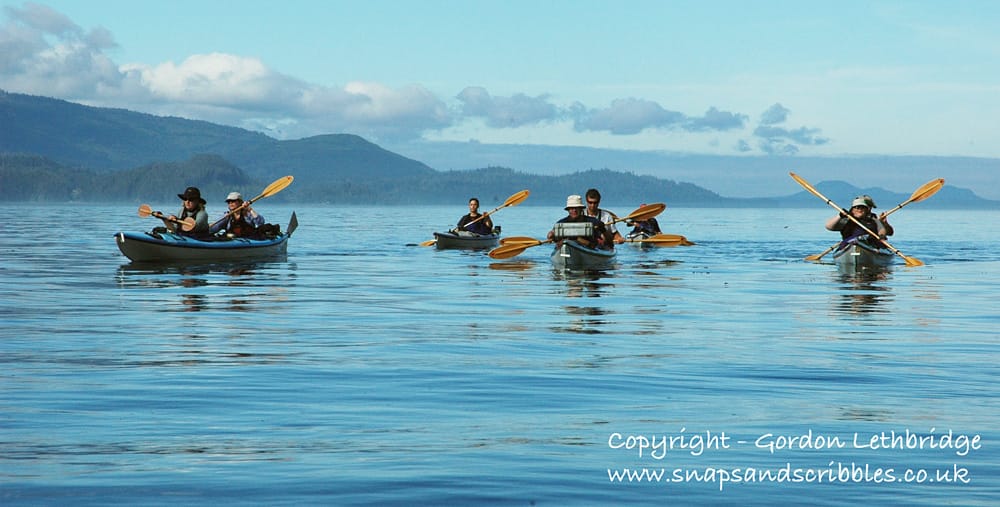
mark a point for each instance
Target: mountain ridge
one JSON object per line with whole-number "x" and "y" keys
{"x": 57, "y": 150}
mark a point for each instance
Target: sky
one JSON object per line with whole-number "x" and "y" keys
{"x": 769, "y": 78}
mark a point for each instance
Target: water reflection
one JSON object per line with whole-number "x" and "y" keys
{"x": 200, "y": 283}
{"x": 512, "y": 266}
{"x": 585, "y": 283}
{"x": 862, "y": 292}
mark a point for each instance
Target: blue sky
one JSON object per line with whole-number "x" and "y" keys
{"x": 730, "y": 78}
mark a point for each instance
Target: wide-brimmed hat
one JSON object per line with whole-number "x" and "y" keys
{"x": 234, "y": 196}
{"x": 574, "y": 201}
{"x": 863, "y": 200}
{"x": 192, "y": 194}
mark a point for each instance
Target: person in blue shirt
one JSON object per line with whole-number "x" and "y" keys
{"x": 241, "y": 220}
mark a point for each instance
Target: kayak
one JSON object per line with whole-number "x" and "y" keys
{"x": 158, "y": 246}
{"x": 854, "y": 255}
{"x": 465, "y": 240}
{"x": 572, "y": 256}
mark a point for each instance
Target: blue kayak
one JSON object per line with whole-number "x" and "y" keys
{"x": 170, "y": 247}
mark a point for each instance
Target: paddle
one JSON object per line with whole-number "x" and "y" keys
{"x": 277, "y": 186}
{"x": 663, "y": 240}
{"x": 926, "y": 190}
{"x": 513, "y": 249}
{"x": 146, "y": 211}
{"x": 513, "y": 200}
{"x": 910, "y": 261}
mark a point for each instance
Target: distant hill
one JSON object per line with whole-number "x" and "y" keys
{"x": 53, "y": 150}
{"x": 727, "y": 175}
{"x": 105, "y": 140}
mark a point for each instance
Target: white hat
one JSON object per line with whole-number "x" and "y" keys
{"x": 234, "y": 196}
{"x": 574, "y": 201}
{"x": 863, "y": 200}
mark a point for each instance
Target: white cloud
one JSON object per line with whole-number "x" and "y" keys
{"x": 627, "y": 116}
{"x": 42, "y": 52}
{"x": 517, "y": 110}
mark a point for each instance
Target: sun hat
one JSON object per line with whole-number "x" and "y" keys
{"x": 192, "y": 194}
{"x": 234, "y": 196}
{"x": 574, "y": 201}
{"x": 863, "y": 200}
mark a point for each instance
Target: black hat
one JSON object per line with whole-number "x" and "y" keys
{"x": 192, "y": 194}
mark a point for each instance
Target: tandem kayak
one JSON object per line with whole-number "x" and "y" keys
{"x": 170, "y": 247}
{"x": 572, "y": 256}
{"x": 855, "y": 255}
{"x": 465, "y": 240}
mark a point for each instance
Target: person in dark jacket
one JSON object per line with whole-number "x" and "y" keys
{"x": 483, "y": 227}
{"x": 601, "y": 238}
{"x": 240, "y": 220}
{"x": 861, "y": 210}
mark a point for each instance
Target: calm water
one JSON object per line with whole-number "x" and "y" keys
{"x": 363, "y": 369}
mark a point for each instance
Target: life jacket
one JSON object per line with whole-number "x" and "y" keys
{"x": 239, "y": 227}
{"x": 851, "y": 229}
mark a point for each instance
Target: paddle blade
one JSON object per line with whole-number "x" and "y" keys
{"x": 669, "y": 238}
{"x": 816, "y": 257}
{"x": 517, "y": 240}
{"x": 664, "y": 240}
{"x": 145, "y": 210}
{"x": 645, "y": 212}
{"x": 517, "y": 198}
{"x": 429, "y": 242}
{"x": 278, "y": 185}
{"x": 913, "y": 261}
{"x": 512, "y": 250}
{"x": 928, "y": 189}
{"x": 805, "y": 184}
{"x": 187, "y": 224}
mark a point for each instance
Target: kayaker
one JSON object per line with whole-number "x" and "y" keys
{"x": 644, "y": 228}
{"x": 861, "y": 208}
{"x": 241, "y": 220}
{"x": 194, "y": 207}
{"x": 602, "y": 238}
{"x": 482, "y": 227}
{"x": 606, "y": 217}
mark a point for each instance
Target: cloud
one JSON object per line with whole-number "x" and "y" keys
{"x": 517, "y": 110}
{"x": 627, "y": 117}
{"x": 716, "y": 120}
{"x": 774, "y": 115}
{"x": 43, "y": 52}
{"x": 776, "y": 140}
{"x": 632, "y": 116}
